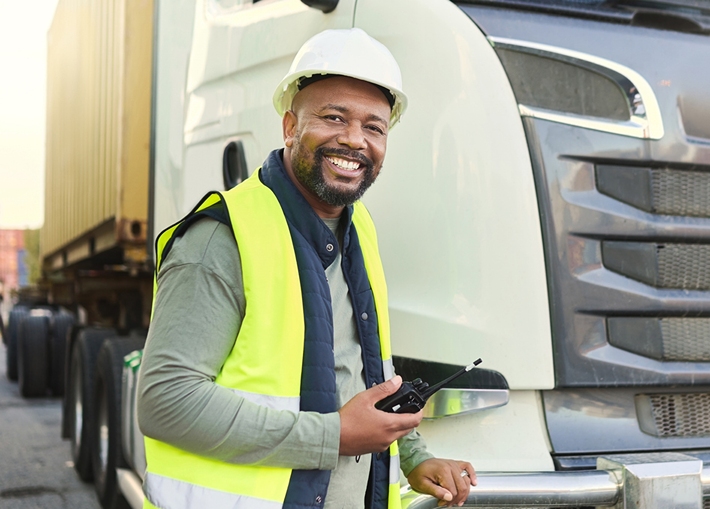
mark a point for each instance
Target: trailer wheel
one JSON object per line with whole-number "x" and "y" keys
{"x": 33, "y": 359}
{"x": 106, "y": 450}
{"x": 57, "y": 351}
{"x": 13, "y": 328}
{"x": 79, "y": 401}
{"x": 69, "y": 348}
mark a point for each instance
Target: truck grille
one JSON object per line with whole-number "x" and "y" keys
{"x": 684, "y": 266}
{"x": 681, "y": 193}
{"x": 673, "y": 192}
{"x": 686, "y": 339}
{"x": 631, "y": 272}
{"x": 663, "y": 339}
{"x": 681, "y": 415}
{"x": 661, "y": 265}
{"x": 627, "y": 242}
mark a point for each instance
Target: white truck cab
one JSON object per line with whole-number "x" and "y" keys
{"x": 544, "y": 205}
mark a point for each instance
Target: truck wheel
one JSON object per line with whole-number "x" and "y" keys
{"x": 13, "y": 328}
{"x": 57, "y": 351}
{"x": 107, "y": 453}
{"x": 71, "y": 339}
{"x": 32, "y": 359}
{"x": 79, "y": 404}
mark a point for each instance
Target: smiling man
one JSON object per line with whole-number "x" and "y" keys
{"x": 335, "y": 136}
{"x": 269, "y": 344}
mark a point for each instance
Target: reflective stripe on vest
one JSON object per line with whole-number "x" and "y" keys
{"x": 177, "y": 479}
{"x": 166, "y": 492}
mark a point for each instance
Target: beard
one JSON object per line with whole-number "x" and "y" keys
{"x": 311, "y": 176}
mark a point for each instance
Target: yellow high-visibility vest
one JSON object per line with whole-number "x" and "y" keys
{"x": 177, "y": 479}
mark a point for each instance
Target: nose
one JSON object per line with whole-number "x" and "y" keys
{"x": 352, "y": 136}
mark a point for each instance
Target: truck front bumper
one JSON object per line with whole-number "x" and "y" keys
{"x": 639, "y": 481}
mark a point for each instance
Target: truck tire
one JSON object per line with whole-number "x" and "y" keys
{"x": 13, "y": 328}
{"x": 106, "y": 450}
{"x": 71, "y": 339}
{"x": 61, "y": 326}
{"x": 33, "y": 357}
{"x": 79, "y": 396}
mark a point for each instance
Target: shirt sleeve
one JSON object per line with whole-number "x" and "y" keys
{"x": 412, "y": 451}
{"x": 198, "y": 311}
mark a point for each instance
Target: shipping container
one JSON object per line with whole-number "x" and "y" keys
{"x": 98, "y": 130}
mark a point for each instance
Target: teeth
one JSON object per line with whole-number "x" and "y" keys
{"x": 344, "y": 164}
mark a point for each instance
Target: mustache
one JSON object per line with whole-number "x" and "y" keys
{"x": 321, "y": 152}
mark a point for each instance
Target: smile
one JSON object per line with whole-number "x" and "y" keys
{"x": 343, "y": 163}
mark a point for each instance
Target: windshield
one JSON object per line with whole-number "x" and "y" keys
{"x": 681, "y": 15}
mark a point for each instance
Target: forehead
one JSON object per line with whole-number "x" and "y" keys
{"x": 342, "y": 91}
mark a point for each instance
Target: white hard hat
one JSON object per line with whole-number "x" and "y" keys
{"x": 350, "y": 52}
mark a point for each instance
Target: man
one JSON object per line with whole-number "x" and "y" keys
{"x": 287, "y": 264}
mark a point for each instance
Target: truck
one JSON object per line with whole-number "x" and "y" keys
{"x": 544, "y": 205}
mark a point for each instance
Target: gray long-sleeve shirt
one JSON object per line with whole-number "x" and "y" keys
{"x": 198, "y": 311}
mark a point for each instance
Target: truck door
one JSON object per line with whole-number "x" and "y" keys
{"x": 240, "y": 52}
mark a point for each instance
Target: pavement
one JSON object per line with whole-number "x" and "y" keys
{"x": 36, "y": 471}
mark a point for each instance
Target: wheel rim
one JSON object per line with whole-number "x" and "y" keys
{"x": 77, "y": 394}
{"x": 102, "y": 426}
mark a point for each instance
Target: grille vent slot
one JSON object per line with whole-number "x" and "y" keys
{"x": 663, "y": 339}
{"x": 685, "y": 266}
{"x": 677, "y": 266}
{"x": 657, "y": 190}
{"x": 681, "y": 193}
{"x": 674, "y": 415}
{"x": 686, "y": 339}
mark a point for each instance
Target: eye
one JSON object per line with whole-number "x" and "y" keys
{"x": 376, "y": 129}
{"x": 334, "y": 118}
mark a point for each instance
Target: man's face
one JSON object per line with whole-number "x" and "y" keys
{"x": 336, "y": 137}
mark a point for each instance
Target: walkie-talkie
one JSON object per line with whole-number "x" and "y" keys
{"x": 412, "y": 396}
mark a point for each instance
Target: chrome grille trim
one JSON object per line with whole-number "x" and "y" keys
{"x": 646, "y": 121}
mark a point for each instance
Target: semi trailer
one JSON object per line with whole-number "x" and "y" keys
{"x": 544, "y": 205}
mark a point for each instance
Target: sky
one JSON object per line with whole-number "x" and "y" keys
{"x": 23, "y": 51}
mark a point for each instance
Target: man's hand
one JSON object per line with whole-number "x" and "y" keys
{"x": 365, "y": 429}
{"x": 444, "y": 480}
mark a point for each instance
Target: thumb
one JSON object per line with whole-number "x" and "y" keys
{"x": 386, "y": 388}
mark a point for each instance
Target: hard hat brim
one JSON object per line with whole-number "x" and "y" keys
{"x": 288, "y": 88}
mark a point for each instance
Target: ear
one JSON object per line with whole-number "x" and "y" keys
{"x": 289, "y": 127}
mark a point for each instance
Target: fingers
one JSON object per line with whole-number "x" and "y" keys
{"x": 464, "y": 465}
{"x": 444, "y": 480}
{"x": 431, "y": 487}
{"x": 452, "y": 480}
{"x": 365, "y": 429}
{"x": 407, "y": 422}
{"x": 463, "y": 484}
{"x": 464, "y": 476}
{"x": 386, "y": 388}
